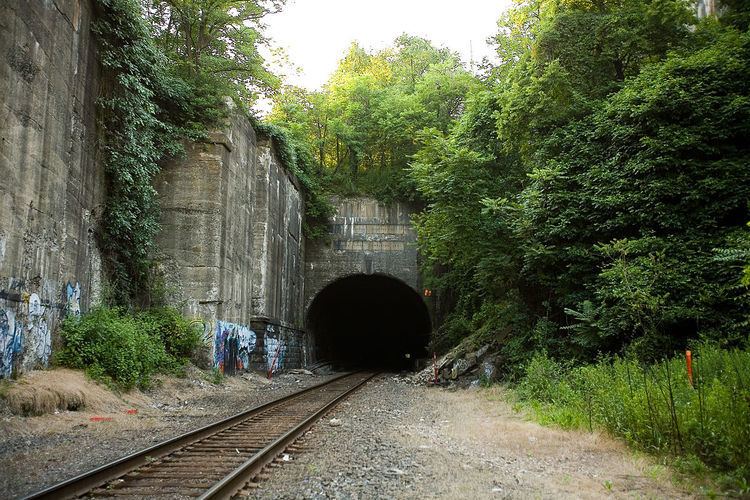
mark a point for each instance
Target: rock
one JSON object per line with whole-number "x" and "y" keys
{"x": 471, "y": 360}
{"x": 300, "y": 371}
{"x": 459, "y": 368}
{"x": 482, "y": 351}
{"x": 489, "y": 371}
{"x": 334, "y": 422}
{"x": 396, "y": 472}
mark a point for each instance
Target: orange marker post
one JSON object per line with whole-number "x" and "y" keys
{"x": 689, "y": 362}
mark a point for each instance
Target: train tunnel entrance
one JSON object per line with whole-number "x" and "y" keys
{"x": 369, "y": 321}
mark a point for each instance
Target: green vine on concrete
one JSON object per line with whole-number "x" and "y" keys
{"x": 140, "y": 109}
{"x": 147, "y": 110}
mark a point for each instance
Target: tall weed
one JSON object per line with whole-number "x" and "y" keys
{"x": 653, "y": 406}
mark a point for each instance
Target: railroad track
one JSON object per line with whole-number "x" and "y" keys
{"x": 215, "y": 461}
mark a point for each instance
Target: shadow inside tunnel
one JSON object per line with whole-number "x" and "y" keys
{"x": 369, "y": 321}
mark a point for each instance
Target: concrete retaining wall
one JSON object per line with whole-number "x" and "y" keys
{"x": 51, "y": 184}
{"x": 231, "y": 243}
{"x": 233, "y": 249}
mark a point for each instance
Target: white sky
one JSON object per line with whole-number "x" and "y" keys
{"x": 316, "y": 33}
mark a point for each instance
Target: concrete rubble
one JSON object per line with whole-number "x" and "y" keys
{"x": 463, "y": 364}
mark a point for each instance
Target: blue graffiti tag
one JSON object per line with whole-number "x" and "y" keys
{"x": 11, "y": 339}
{"x": 227, "y": 333}
{"x": 73, "y": 302}
{"x": 275, "y": 353}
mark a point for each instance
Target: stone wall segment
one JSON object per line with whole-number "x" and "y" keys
{"x": 364, "y": 237}
{"x": 51, "y": 180}
{"x": 232, "y": 248}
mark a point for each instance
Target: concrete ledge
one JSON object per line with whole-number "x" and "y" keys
{"x": 220, "y": 138}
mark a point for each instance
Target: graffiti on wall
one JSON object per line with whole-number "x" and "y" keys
{"x": 27, "y": 322}
{"x": 11, "y": 342}
{"x": 38, "y": 331}
{"x": 73, "y": 299}
{"x": 233, "y": 345}
{"x": 275, "y": 349}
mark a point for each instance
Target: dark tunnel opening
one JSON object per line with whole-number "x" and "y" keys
{"x": 369, "y": 321}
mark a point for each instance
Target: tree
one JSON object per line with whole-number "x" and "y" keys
{"x": 363, "y": 125}
{"x": 592, "y": 198}
{"x": 214, "y": 44}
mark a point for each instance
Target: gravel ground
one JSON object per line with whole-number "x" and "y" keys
{"x": 36, "y": 452}
{"x": 396, "y": 440}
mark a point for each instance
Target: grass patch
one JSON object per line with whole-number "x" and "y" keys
{"x": 4, "y": 388}
{"x": 215, "y": 376}
{"x": 705, "y": 427}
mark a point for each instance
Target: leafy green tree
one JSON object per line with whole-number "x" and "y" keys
{"x": 214, "y": 45}
{"x": 592, "y": 198}
{"x": 362, "y": 127}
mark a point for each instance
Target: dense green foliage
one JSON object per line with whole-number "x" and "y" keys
{"x": 591, "y": 201}
{"x": 654, "y": 407}
{"x": 179, "y": 336}
{"x": 360, "y": 130}
{"x": 139, "y": 111}
{"x": 126, "y": 350}
{"x": 213, "y": 45}
{"x": 593, "y": 195}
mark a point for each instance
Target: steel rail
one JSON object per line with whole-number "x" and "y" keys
{"x": 235, "y": 481}
{"x": 107, "y": 473}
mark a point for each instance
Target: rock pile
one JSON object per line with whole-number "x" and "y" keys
{"x": 463, "y": 363}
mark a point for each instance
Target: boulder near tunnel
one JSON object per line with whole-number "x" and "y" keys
{"x": 369, "y": 321}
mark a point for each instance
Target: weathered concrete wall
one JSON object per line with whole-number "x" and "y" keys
{"x": 232, "y": 244}
{"x": 705, "y": 8}
{"x": 365, "y": 237}
{"x": 51, "y": 186}
{"x": 233, "y": 250}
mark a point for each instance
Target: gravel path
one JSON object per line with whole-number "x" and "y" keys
{"x": 396, "y": 440}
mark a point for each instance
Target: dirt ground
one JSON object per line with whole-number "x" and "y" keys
{"x": 390, "y": 440}
{"x": 38, "y": 451}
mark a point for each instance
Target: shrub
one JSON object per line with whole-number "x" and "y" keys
{"x": 180, "y": 337}
{"x": 126, "y": 350}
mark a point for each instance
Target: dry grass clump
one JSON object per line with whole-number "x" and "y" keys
{"x": 43, "y": 392}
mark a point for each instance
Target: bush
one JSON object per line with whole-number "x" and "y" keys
{"x": 125, "y": 350}
{"x": 547, "y": 387}
{"x": 180, "y": 336}
{"x": 654, "y": 407}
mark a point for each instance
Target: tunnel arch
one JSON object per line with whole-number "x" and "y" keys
{"x": 369, "y": 321}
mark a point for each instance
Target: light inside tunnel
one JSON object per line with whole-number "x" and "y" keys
{"x": 369, "y": 321}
